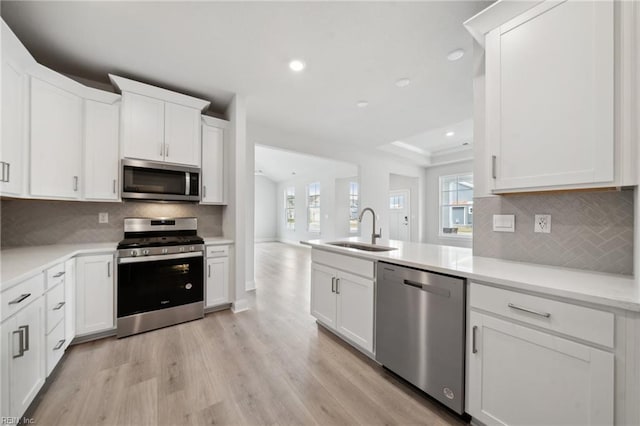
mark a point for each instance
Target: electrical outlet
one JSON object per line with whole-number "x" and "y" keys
{"x": 103, "y": 217}
{"x": 542, "y": 223}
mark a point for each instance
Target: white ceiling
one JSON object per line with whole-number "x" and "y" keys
{"x": 353, "y": 50}
{"x": 280, "y": 165}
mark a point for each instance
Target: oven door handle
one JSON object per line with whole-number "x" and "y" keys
{"x": 141, "y": 259}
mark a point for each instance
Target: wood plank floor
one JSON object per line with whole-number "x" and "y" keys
{"x": 269, "y": 365}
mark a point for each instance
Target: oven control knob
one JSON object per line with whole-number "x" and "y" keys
{"x": 165, "y": 251}
{"x": 192, "y": 248}
{"x": 134, "y": 253}
{"x": 145, "y": 252}
{"x": 181, "y": 248}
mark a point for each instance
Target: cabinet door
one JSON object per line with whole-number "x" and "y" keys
{"x": 101, "y": 143}
{"x": 217, "y": 281}
{"x": 213, "y": 179}
{"x": 181, "y": 134}
{"x": 323, "y": 295}
{"x": 13, "y": 129}
{"x": 355, "y": 309}
{"x": 518, "y": 375}
{"x": 550, "y": 96}
{"x": 24, "y": 336}
{"x": 142, "y": 127}
{"x": 94, "y": 294}
{"x": 70, "y": 298}
{"x": 56, "y": 141}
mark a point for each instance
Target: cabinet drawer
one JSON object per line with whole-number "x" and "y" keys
{"x": 217, "y": 251}
{"x": 55, "y": 307}
{"x": 576, "y": 321}
{"x": 21, "y": 295}
{"x": 362, "y": 267}
{"x": 55, "y": 347}
{"x": 55, "y": 275}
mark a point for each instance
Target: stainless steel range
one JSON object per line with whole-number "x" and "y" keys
{"x": 160, "y": 274}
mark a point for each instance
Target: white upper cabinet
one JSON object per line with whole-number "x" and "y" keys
{"x": 142, "y": 127}
{"x": 213, "y": 161}
{"x": 554, "y": 83}
{"x": 159, "y": 125}
{"x": 15, "y": 60}
{"x": 56, "y": 141}
{"x": 101, "y": 165}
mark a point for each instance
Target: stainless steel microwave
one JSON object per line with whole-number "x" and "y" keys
{"x": 150, "y": 180}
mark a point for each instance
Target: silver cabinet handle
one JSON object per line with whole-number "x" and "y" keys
{"x": 2, "y": 179}
{"x": 493, "y": 166}
{"x": 161, "y": 150}
{"x": 75, "y": 183}
{"x": 530, "y": 311}
{"x": 20, "y": 334}
{"x": 26, "y": 337}
{"x": 19, "y": 299}
{"x": 166, "y": 149}
{"x": 109, "y": 269}
{"x": 337, "y": 285}
{"x": 216, "y": 251}
{"x": 59, "y": 344}
{"x": 333, "y": 284}
{"x": 474, "y": 348}
{"x": 209, "y": 273}
{"x": 59, "y": 306}
{"x": 59, "y": 274}
{"x": 204, "y": 191}
{"x": 114, "y": 186}
{"x": 8, "y": 172}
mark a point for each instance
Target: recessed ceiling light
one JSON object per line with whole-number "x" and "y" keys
{"x": 450, "y": 133}
{"x": 455, "y": 55}
{"x": 409, "y": 147}
{"x": 297, "y": 65}
{"x": 362, "y": 104}
{"x": 403, "y": 82}
{"x": 293, "y": 173}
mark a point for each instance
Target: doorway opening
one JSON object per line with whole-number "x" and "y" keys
{"x": 403, "y": 207}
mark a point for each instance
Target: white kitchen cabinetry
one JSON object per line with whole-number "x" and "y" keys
{"x": 522, "y": 372}
{"x": 558, "y": 83}
{"x": 94, "y": 294}
{"x": 70, "y": 297}
{"x": 213, "y": 160}
{"x": 101, "y": 150}
{"x": 22, "y": 348}
{"x": 217, "y": 276}
{"x": 56, "y": 141}
{"x": 159, "y": 125}
{"x": 15, "y": 60}
{"x": 344, "y": 301}
{"x": 57, "y": 304}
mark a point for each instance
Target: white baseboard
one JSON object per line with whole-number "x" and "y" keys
{"x": 265, "y": 240}
{"x": 240, "y": 306}
{"x": 250, "y": 286}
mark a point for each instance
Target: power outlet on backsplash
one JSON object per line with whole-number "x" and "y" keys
{"x": 542, "y": 223}
{"x": 103, "y": 217}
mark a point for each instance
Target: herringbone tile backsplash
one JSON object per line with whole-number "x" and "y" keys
{"x": 39, "y": 222}
{"x": 589, "y": 230}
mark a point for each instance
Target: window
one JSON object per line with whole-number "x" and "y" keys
{"x": 290, "y": 208}
{"x": 354, "y": 207}
{"x": 313, "y": 207}
{"x": 456, "y": 205}
{"x": 396, "y": 202}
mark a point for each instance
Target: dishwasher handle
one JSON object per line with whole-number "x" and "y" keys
{"x": 428, "y": 288}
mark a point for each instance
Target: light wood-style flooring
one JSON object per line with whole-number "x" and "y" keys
{"x": 269, "y": 365}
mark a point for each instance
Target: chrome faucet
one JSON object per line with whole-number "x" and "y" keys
{"x": 373, "y": 234}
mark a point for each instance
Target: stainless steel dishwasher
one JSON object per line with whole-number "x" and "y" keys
{"x": 420, "y": 330}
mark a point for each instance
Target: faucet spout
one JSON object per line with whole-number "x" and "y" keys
{"x": 374, "y": 236}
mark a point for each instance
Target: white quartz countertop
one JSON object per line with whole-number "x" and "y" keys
{"x": 215, "y": 241}
{"x": 20, "y": 263}
{"x": 618, "y": 291}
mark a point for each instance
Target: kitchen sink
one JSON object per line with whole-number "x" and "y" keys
{"x": 361, "y": 246}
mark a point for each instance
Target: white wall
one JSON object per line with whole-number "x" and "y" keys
{"x": 397, "y": 182}
{"x": 266, "y": 209}
{"x": 432, "y": 196}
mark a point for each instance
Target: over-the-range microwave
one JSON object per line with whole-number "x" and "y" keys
{"x": 150, "y": 180}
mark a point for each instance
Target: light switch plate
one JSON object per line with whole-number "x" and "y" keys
{"x": 542, "y": 223}
{"x": 504, "y": 223}
{"x": 103, "y": 217}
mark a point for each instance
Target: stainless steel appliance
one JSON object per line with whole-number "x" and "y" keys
{"x": 160, "y": 274}
{"x": 420, "y": 330}
{"x": 149, "y": 180}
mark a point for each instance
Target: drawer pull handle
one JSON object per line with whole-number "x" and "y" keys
{"x": 216, "y": 251}
{"x": 474, "y": 348}
{"x": 59, "y": 274}
{"x": 20, "y": 334}
{"x": 337, "y": 285}
{"x": 531, "y": 311}
{"x": 333, "y": 284}
{"x": 26, "y": 337}
{"x": 59, "y": 306}
{"x": 59, "y": 344}
{"x": 19, "y": 299}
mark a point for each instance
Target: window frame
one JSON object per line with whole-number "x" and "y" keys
{"x": 309, "y": 207}
{"x": 287, "y": 209}
{"x": 357, "y": 201}
{"x": 441, "y": 206}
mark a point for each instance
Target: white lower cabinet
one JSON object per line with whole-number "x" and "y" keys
{"x": 521, "y": 375}
{"x": 23, "y": 361}
{"x": 94, "y": 294}
{"x": 343, "y": 301}
{"x": 217, "y": 276}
